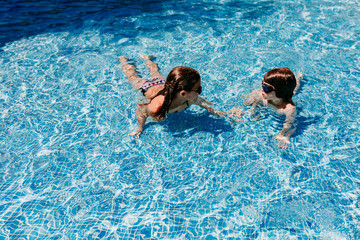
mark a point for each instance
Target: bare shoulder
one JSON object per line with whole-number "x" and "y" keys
{"x": 155, "y": 104}
{"x": 153, "y": 91}
{"x": 290, "y": 109}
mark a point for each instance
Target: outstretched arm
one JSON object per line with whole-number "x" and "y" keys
{"x": 253, "y": 99}
{"x": 141, "y": 117}
{"x": 203, "y": 103}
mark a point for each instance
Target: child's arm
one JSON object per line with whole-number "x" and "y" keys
{"x": 141, "y": 117}
{"x": 145, "y": 110}
{"x": 254, "y": 100}
{"x": 299, "y": 75}
{"x": 288, "y": 129}
{"x": 203, "y": 103}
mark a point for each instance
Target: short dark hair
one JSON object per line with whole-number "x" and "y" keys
{"x": 284, "y": 81}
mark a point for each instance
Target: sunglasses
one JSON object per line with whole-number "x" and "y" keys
{"x": 267, "y": 88}
{"x": 199, "y": 90}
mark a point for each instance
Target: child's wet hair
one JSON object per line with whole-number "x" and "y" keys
{"x": 284, "y": 82}
{"x": 180, "y": 78}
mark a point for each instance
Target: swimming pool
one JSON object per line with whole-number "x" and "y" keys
{"x": 70, "y": 171}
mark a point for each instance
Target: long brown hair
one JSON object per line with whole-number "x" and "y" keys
{"x": 284, "y": 81}
{"x": 179, "y": 78}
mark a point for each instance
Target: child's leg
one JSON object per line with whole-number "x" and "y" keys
{"x": 154, "y": 70}
{"x": 131, "y": 74}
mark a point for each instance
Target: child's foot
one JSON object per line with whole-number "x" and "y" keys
{"x": 146, "y": 57}
{"x": 122, "y": 59}
{"x": 124, "y": 65}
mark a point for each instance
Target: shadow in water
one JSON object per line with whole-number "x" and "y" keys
{"x": 187, "y": 123}
{"x": 302, "y": 123}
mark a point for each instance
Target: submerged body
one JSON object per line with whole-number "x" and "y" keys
{"x": 278, "y": 87}
{"x": 180, "y": 90}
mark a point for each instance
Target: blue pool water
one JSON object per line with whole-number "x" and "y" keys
{"x": 69, "y": 170}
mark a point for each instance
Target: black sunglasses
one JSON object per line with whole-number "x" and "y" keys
{"x": 267, "y": 88}
{"x": 199, "y": 90}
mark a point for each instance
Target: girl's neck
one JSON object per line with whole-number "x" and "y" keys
{"x": 178, "y": 101}
{"x": 278, "y": 103}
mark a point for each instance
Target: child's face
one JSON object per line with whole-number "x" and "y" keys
{"x": 268, "y": 91}
{"x": 194, "y": 93}
{"x": 268, "y": 96}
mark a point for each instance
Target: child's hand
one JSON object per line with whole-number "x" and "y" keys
{"x": 135, "y": 134}
{"x": 283, "y": 142}
{"x": 202, "y": 102}
{"x": 212, "y": 110}
{"x": 235, "y": 113}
